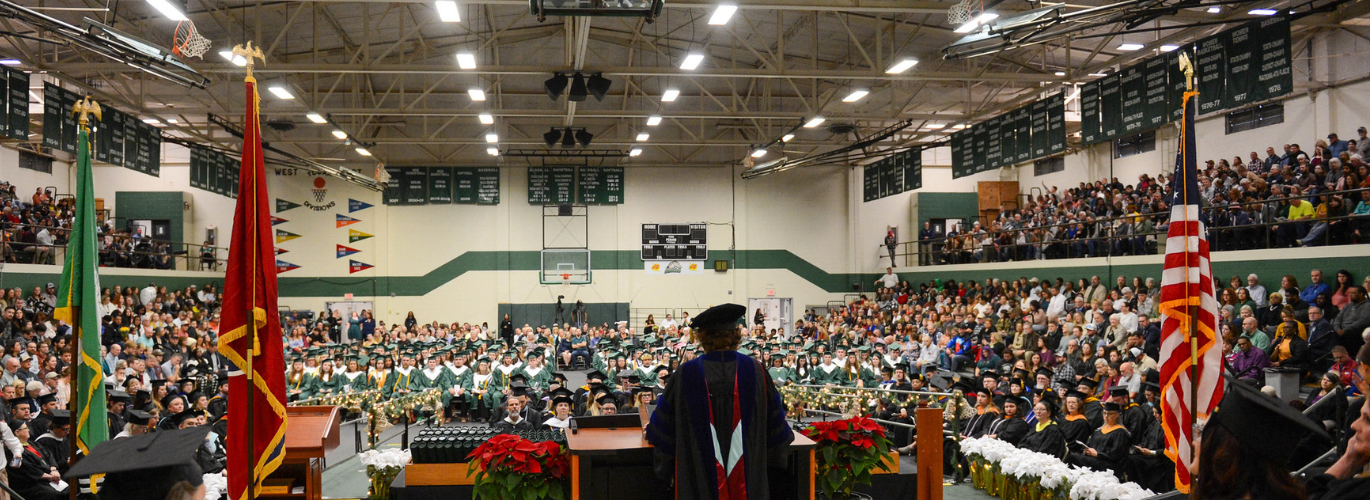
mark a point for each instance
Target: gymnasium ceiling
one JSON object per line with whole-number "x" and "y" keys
{"x": 385, "y": 72}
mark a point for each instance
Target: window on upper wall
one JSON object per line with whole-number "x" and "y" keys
{"x": 1048, "y": 165}
{"x": 1256, "y": 117}
{"x": 1134, "y": 144}
{"x": 31, "y": 161}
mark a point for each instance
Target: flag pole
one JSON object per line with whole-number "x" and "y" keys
{"x": 1191, "y": 308}
{"x": 248, "y": 53}
{"x": 82, "y": 109}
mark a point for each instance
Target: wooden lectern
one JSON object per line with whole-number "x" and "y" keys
{"x": 311, "y": 432}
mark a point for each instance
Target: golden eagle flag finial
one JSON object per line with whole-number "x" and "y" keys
{"x": 248, "y": 52}
{"x": 84, "y": 108}
{"x": 1188, "y": 68}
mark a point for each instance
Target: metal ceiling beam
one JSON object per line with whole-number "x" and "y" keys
{"x": 896, "y": 6}
{"x": 444, "y": 69}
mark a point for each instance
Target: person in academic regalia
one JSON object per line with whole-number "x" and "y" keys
{"x": 1012, "y": 428}
{"x": 514, "y": 419}
{"x": 1134, "y": 417}
{"x": 1074, "y": 423}
{"x": 35, "y": 477}
{"x": 1246, "y": 444}
{"x": 54, "y": 444}
{"x": 160, "y": 466}
{"x": 561, "y": 411}
{"x": 725, "y": 390}
{"x": 218, "y": 404}
{"x": 1046, "y": 435}
{"x": 1090, "y": 406}
{"x": 138, "y": 424}
{"x": 1108, "y": 446}
{"x": 986, "y": 414}
{"x": 1148, "y": 465}
{"x": 43, "y": 419}
{"x": 115, "y": 412}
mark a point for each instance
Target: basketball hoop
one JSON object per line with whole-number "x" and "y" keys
{"x": 565, "y": 277}
{"x": 960, "y": 13}
{"x": 187, "y": 41}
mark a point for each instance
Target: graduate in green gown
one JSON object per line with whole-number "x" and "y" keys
{"x": 539, "y": 376}
{"x": 432, "y": 376}
{"x": 646, "y": 368}
{"x": 325, "y": 383}
{"x": 482, "y": 393}
{"x": 295, "y": 380}
{"x": 353, "y": 379}
{"x": 827, "y": 372}
{"x": 779, "y": 373}
{"x": 404, "y": 376}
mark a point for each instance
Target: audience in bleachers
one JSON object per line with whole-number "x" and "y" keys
{"x": 1279, "y": 200}
{"x": 35, "y": 231}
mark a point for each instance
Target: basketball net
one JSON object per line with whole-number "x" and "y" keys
{"x": 187, "y": 41}
{"x": 963, "y": 11}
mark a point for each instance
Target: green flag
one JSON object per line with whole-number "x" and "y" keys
{"x": 76, "y": 301}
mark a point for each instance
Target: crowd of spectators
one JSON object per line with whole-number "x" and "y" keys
{"x": 34, "y": 230}
{"x": 1278, "y": 199}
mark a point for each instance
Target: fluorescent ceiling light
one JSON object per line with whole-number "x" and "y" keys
{"x": 759, "y": 152}
{"x": 642, "y": 136}
{"x": 1060, "y": 73}
{"x": 814, "y": 122}
{"x": 1262, "y": 12}
{"x": 856, "y": 95}
{"x": 1215, "y": 9}
{"x": 787, "y": 138}
{"x": 492, "y": 151}
{"x": 168, "y": 10}
{"x": 692, "y": 61}
{"x": 1130, "y": 46}
{"x": 902, "y": 66}
{"x": 635, "y": 152}
{"x": 486, "y": 119}
{"x": 339, "y": 134}
{"x": 448, "y": 11}
{"x": 1169, "y": 48}
{"x": 670, "y": 95}
{"x": 653, "y": 120}
{"x": 986, "y": 17}
{"x": 151, "y": 121}
{"x": 968, "y": 27}
{"x": 1098, "y": 74}
{"x": 935, "y": 125}
{"x": 363, "y": 152}
{"x": 492, "y": 138}
{"x": 982, "y": 20}
{"x": 466, "y": 60}
{"x": 171, "y": 120}
{"x": 960, "y": 126}
{"x": 281, "y": 92}
{"x": 476, "y": 94}
{"x": 722, "y": 14}
{"x": 9, "y": 62}
{"x": 315, "y": 117}
{"x": 235, "y": 59}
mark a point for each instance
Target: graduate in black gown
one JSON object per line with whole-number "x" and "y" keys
{"x": 1108, "y": 446}
{"x": 986, "y": 414}
{"x": 34, "y": 478}
{"x": 1074, "y": 423}
{"x": 1091, "y": 407}
{"x": 55, "y": 444}
{"x": 1046, "y": 435}
{"x": 727, "y": 391}
{"x": 1133, "y": 417}
{"x": 1012, "y": 428}
{"x": 1148, "y": 465}
{"x": 1246, "y": 444}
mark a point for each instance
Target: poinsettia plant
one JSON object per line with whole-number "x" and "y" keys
{"x": 848, "y": 450}
{"x": 509, "y": 467}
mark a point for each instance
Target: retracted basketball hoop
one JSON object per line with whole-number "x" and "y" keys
{"x": 565, "y": 277}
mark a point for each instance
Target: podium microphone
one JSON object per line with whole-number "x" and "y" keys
{"x": 575, "y": 429}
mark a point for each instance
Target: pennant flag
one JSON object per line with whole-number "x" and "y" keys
{"x": 283, "y": 236}
{"x": 277, "y": 220}
{"x": 283, "y": 266}
{"x": 344, "y": 251}
{"x": 280, "y": 250}
{"x": 354, "y": 235}
{"x": 251, "y": 328}
{"x": 77, "y": 298}
{"x": 1191, "y": 357}
{"x": 282, "y": 205}
{"x": 354, "y": 266}
{"x": 354, "y": 205}
{"x": 344, "y": 220}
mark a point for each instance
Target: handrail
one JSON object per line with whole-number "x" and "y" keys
{"x": 191, "y": 255}
{"x": 937, "y": 247}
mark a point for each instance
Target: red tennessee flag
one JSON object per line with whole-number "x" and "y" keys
{"x": 250, "y": 330}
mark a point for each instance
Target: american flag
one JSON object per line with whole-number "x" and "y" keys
{"x": 1191, "y": 365}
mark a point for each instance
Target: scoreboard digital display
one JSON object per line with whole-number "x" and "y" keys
{"x": 667, "y": 242}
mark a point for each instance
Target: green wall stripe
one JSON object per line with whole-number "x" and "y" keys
{"x": 610, "y": 260}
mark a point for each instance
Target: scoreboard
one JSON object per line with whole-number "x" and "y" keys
{"x": 675, "y": 242}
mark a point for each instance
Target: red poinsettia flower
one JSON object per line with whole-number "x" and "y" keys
{"x": 862, "y": 441}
